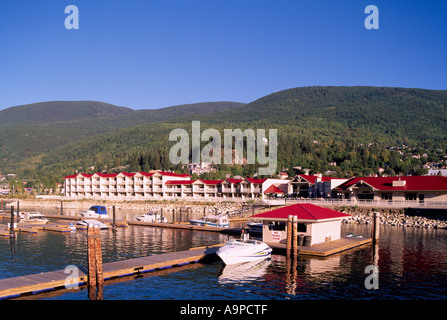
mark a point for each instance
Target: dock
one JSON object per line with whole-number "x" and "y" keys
{"x": 324, "y": 249}
{"x": 53, "y": 280}
{"x": 63, "y": 222}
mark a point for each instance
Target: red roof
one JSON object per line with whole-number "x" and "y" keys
{"x": 412, "y": 183}
{"x": 180, "y": 181}
{"x": 273, "y": 189}
{"x": 234, "y": 181}
{"x": 211, "y": 181}
{"x": 127, "y": 174}
{"x": 146, "y": 174}
{"x": 252, "y": 180}
{"x": 304, "y": 211}
{"x": 107, "y": 175}
{"x": 172, "y": 174}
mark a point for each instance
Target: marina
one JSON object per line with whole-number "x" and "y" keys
{"x": 121, "y": 246}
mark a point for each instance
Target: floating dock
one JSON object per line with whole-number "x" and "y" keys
{"x": 47, "y": 281}
{"x": 324, "y": 249}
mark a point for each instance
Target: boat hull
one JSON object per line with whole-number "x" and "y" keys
{"x": 85, "y": 223}
{"x": 93, "y": 215}
{"x": 206, "y": 223}
{"x": 34, "y": 221}
{"x": 232, "y": 253}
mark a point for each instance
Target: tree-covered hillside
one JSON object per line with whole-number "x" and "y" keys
{"x": 344, "y": 130}
{"x": 27, "y": 132}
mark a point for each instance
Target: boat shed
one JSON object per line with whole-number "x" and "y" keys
{"x": 321, "y": 224}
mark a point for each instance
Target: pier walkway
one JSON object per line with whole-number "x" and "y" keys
{"x": 324, "y": 249}
{"x": 46, "y": 281}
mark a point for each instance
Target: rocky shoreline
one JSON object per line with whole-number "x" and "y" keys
{"x": 394, "y": 217}
{"x": 195, "y": 208}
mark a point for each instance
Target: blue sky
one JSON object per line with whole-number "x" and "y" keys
{"x": 153, "y": 54}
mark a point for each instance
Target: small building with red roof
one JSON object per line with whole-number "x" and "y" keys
{"x": 321, "y": 224}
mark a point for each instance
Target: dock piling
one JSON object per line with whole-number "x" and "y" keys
{"x": 375, "y": 231}
{"x": 98, "y": 257}
{"x": 95, "y": 270}
{"x": 295, "y": 236}
{"x": 114, "y": 217}
{"x": 91, "y": 256}
{"x": 11, "y": 226}
{"x": 289, "y": 235}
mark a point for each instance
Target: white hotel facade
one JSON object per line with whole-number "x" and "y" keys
{"x": 162, "y": 185}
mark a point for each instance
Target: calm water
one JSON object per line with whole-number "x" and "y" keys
{"x": 412, "y": 265}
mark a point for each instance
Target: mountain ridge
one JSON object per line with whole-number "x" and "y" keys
{"x": 316, "y": 126}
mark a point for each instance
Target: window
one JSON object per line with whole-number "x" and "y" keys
{"x": 387, "y": 196}
{"x": 410, "y": 196}
{"x": 277, "y": 226}
{"x": 302, "y": 227}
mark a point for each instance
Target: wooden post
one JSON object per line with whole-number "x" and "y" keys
{"x": 181, "y": 213}
{"x": 91, "y": 256}
{"x": 173, "y": 215}
{"x": 375, "y": 233}
{"x": 289, "y": 236}
{"x": 295, "y": 236}
{"x": 18, "y": 210}
{"x": 114, "y": 217}
{"x": 204, "y": 211}
{"x": 98, "y": 257}
{"x": 161, "y": 215}
{"x": 62, "y": 207}
{"x": 11, "y": 226}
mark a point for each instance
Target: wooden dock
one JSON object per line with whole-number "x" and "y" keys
{"x": 46, "y": 281}
{"x": 324, "y": 249}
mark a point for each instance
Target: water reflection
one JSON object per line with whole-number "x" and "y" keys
{"x": 412, "y": 265}
{"x": 243, "y": 272}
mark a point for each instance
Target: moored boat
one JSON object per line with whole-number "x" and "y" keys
{"x": 87, "y": 222}
{"x": 151, "y": 217}
{"x": 33, "y": 218}
{"x": 212, "y": 220}
{"x": 239, "y": 251}
{"x": 95, "y": 212}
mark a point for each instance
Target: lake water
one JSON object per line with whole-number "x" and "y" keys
{"x": 412, "y": 264}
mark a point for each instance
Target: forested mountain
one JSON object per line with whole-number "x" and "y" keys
{"x": 27, "y": 132}
{"x": 55, "y": 111}
{"x": 346, "y": 130}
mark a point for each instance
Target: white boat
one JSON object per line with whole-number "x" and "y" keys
{"x": 215, "y": 221}
{"x": 33, "y": 218}
{"x": 239, "y": 251}
{"x": 255, "y": 227}
{"x": 151, "y": 217}
{"x": 95, "y": 212}
{"x": 87, "y": 222}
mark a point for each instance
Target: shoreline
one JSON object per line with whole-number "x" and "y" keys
{"x": 359, "y": 215}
